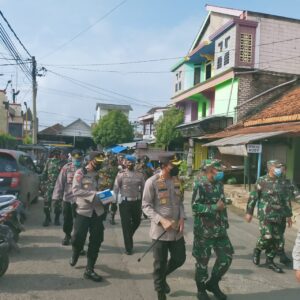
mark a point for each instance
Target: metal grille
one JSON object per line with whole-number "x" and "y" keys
{"x": 246, "y": 48}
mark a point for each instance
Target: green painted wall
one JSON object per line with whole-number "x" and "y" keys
{"x": 222, "y": 95}
{"x": 201, "y": 99}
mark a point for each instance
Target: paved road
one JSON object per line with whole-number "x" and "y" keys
{"x": 41, "y": 269}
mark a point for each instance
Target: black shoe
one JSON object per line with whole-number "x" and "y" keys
{"x": 161, "y": 296}
{"x": 66, "y": 241}
{"x": 82, "y": 253}
{"x": 284, "y": 259}
{"x": 271, "y": 265}
{"x": 74, "y": 259}
{"x": 167, "y": 288}
{"x": 202, "y": 295}
{"x": 91, "y": 275}
{"x": 213, "y": 286}
{"x": 47, "y": 222}
{"x": 256, "y": 256}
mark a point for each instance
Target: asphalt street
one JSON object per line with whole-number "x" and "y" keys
{"x": 41, "y": 270}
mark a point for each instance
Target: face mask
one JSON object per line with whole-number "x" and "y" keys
{"x": 277, "y": 172}
{"x": 76, "y": 163}
{"x": 174, "y": 171}
{"x": 219, "y": 176}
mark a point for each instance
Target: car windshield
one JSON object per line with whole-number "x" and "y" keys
{"x": 7, "y": 163}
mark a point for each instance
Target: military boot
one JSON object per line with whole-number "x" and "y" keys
{"x": 161, "y": 296}
{"x": 74, "y": 259}
{"x": 90, "y": 273}
{"x": 271, "y": 265}
{"x": 202, "y": 294}
{"x": 66, "y": 241}
{"x": 256, "y": 256}
{"x": 284, "y": 259}
{"x": 213, "y": 286}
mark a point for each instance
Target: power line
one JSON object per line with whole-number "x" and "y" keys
{"x": 86, "y": 29}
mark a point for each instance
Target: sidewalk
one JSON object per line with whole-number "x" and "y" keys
{"x": 239, "y": 197}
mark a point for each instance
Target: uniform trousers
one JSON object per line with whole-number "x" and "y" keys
{"x": 163, "y": 266}
{"x": 130, "y": 213}
{"x": 69, "y": 214}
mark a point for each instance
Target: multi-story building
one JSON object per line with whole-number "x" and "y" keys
{"x": 3, "y": 112}
{"x": 238, "y": 60}
{"x": 102, "y": 109}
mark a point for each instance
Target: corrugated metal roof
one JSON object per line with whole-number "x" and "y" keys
{"x": 242, "y": 139}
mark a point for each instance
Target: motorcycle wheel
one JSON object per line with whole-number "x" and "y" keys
{"x": 4, "y": 262}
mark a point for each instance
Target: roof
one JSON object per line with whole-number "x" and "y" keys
{"x": 285, "y": 109}
{"x": 52, "y": 130}
{"x": 293, "y": 128}
{"x": 243, "y": 139}
{"x": 114, "y": 106}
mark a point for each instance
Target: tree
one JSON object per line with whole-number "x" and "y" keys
{"x": 114, "y": 128}
{"x": 166, "y": 132}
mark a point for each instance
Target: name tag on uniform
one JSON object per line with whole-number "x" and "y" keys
{"x": 163, "y": 201}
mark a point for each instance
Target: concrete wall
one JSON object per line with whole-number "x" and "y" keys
{"x": 3, "y": 114}
{"x": 222, "y": 97}
{"x": 272, "y": 54}
{"x": 231, "y": 48}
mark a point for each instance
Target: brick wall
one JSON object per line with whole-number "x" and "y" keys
{"x": 254, "y": 84}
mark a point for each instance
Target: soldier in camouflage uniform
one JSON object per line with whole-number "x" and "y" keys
{"x": 49, "y": 176}
{"x": 210, "y": 230}
{"x": 107, "y": 175}
{"x": 273, "y": 206}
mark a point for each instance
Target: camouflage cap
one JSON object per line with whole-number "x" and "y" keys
{"x": 275, "y": 163}
{"x": 214, "y": 163}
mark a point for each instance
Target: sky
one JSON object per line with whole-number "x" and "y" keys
{"x": 137, "y": 30}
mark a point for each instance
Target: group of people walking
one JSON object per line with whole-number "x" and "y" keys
{"x": 138, "y": 188}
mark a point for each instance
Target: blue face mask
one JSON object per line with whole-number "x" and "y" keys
{"x": 277, "y": 172}
{"x": 77, "y": 163}
{"x": 219, "y": 176}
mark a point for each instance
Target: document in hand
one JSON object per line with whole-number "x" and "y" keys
{"x": 106, "y": 196}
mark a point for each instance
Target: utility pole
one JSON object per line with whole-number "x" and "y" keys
{"x": 34, "y": 93}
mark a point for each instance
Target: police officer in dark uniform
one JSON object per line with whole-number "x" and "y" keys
{"x": 90, "y": 214}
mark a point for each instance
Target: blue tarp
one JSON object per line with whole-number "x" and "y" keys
{"x": 118, "y": 149}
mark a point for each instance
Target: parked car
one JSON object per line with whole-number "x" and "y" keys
{"x": 18, "y": 176}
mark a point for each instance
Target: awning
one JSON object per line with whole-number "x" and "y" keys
{"x": 243, "y": 139}
{"x": 117, "y": 149}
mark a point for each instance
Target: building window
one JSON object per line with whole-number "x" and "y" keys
{"x": 219, "y": 62}
{"x": 197, "y": 75}
{"x": 227, "y": 42}
{"x": 208, "y": 71}
{"x": 179, "y": 75}
{"x": 179, "y": 86}
{"x": 176, "y": 87}
{"x": 204, "y": 106}
{"x": 220, "y": 45}
{"x": 226, "y": 58}
{"x": 246, "y": 44}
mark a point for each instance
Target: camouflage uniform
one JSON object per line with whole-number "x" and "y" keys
{"x": 274, "y": 207}
{"x": 210, "y": 228}
{"x": 49, "y": 176}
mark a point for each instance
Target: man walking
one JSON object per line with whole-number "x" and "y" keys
{"x": 63, "y": 192}
{"x": 90, "y": 214}
{"x": 162, "y": 204}
{"x": 128, "y": 187}
{"x": 273, "y": 206}
{"x": 210, "y": 230}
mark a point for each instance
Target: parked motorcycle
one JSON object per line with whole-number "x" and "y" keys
{"x": 6, "y": 244}
{"x": 12, "y": 214}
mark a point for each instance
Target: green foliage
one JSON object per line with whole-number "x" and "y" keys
{"x": 183, "y": 168}
{"x": 166, "y": 132}
{"x": 7, "y": 141}
{"x": 114, "y": 128}
{"x": 27, "y": 140}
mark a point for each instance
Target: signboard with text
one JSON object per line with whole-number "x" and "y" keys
{"x": 254, "y": 148}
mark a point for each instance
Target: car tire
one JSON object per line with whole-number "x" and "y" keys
{"x": 4, "y": 262}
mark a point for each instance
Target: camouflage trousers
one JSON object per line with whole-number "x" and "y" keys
{"x": 270, "y": 238}
{"x": 282, "y": 228}
{"x": 48, "y": 202}
{"x": 202, "y": 252}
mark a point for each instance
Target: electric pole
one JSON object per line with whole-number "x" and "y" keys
{"x": 34, "y": 92}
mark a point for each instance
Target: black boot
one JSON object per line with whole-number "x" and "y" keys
{"x": 284, "y": 259}
{"x": 256, "y": 256}
{"x": 271, "y": 265}
{"x": 67, "y": 240}
{"x": 90, "y": 273}
{"x": 213, "y": 286}
{"x": 167, "y": 288}
{"x": 161, "y": 296}
{"x": 74, "y": 258}
{"x": 202, "y": 294}
{"x": 47, "y": 221}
